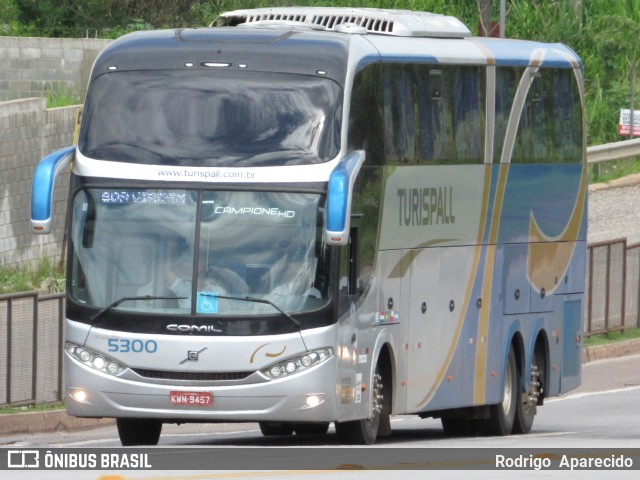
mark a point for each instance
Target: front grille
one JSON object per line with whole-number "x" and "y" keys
{"x": 192, "y": 376}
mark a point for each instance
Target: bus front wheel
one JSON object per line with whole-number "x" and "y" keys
{"x": 365, "y": 432}
{"x": 138, "y": 431}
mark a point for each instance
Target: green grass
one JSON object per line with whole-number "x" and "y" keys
{"x": 606, "y": 171}
{"x": 31, "y": 408}
{"x": 43, "y": 276}
{"x": 629, "y": 334}
{"x": 62, "y": 96}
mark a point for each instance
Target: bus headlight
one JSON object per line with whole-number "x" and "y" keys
{"x": 95, "y": 360}
{"x": 298, "y": 363}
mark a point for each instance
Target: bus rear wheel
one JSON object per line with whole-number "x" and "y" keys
{"x": 138, "y": 431}
{"x": 502, "y": 415}
{"x": 527, "y": 405}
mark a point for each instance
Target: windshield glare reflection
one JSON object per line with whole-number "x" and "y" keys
{"x": 221, "y": 118}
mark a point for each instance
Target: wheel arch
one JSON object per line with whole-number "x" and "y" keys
{"x": 386, "y": 361}
{"x": 385, "y": 354}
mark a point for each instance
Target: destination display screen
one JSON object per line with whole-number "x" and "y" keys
{"x": 148, "y": 197}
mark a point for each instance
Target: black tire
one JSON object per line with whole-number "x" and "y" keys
{"x": 138, "y": 431}
{"x": 457, "y": 427}
{"x": 273, "y": 429}
{"x": 526, "y": 409}
{"x": 311, "y": 428}
{"x": 363, "y": 432}
{"x": 502, "y": 416}
{"x": 358, "y": 432}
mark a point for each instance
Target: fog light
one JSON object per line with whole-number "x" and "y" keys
{"x": 313, "y": 401}
{"x": 79, "y": 396}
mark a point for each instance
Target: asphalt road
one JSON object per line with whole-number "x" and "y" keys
{"x": 603, "y": 413}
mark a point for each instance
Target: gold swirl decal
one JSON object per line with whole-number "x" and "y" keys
{"x": 549, "y": 257}
{"x": 269, "y": 355}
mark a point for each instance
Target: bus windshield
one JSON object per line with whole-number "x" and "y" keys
{"x": 211, "y": 117}
{"x": 184, "y": 248}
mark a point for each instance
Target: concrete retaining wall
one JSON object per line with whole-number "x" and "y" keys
{"x": 30, "y": 67}
{"x": 28, "y": 132}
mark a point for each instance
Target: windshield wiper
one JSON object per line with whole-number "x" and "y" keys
{"x": 127, "y": 299}
{"x": 294, "y": 320}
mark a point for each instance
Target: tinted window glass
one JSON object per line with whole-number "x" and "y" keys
{"x": 550, "y": 128}
{"x": 424, "y": 114}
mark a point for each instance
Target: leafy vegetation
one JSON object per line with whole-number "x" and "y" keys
{"x": 628, "y": 334}
{"x": 62, "y": 95}
{"x": 600, "y": 31}
{"x": 607, "y": 171}
{"x": 44, "y": 276}
{"x": 40, "y": 407}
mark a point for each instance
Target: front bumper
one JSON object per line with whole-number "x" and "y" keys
{"x": 286, "y": 399}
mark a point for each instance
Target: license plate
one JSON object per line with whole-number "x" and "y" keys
{"x": 202, "y": 399}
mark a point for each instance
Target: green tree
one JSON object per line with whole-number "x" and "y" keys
{"x": 617, "y": 42}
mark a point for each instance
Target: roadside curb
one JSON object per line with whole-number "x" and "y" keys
{"x": 48, "y": 421}
{"x": 59, "y": 421}
{"x": 626, "y": 181}
{"x": 611, "y": 350}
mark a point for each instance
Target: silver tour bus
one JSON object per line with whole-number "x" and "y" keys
{"x": 307, "y": 216}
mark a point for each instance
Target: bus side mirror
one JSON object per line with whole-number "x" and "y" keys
{"x": 339, "y": 198}
{"x": 44, "y": 182}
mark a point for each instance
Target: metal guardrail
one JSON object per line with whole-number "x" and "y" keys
{"x": 613, "y": 151}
